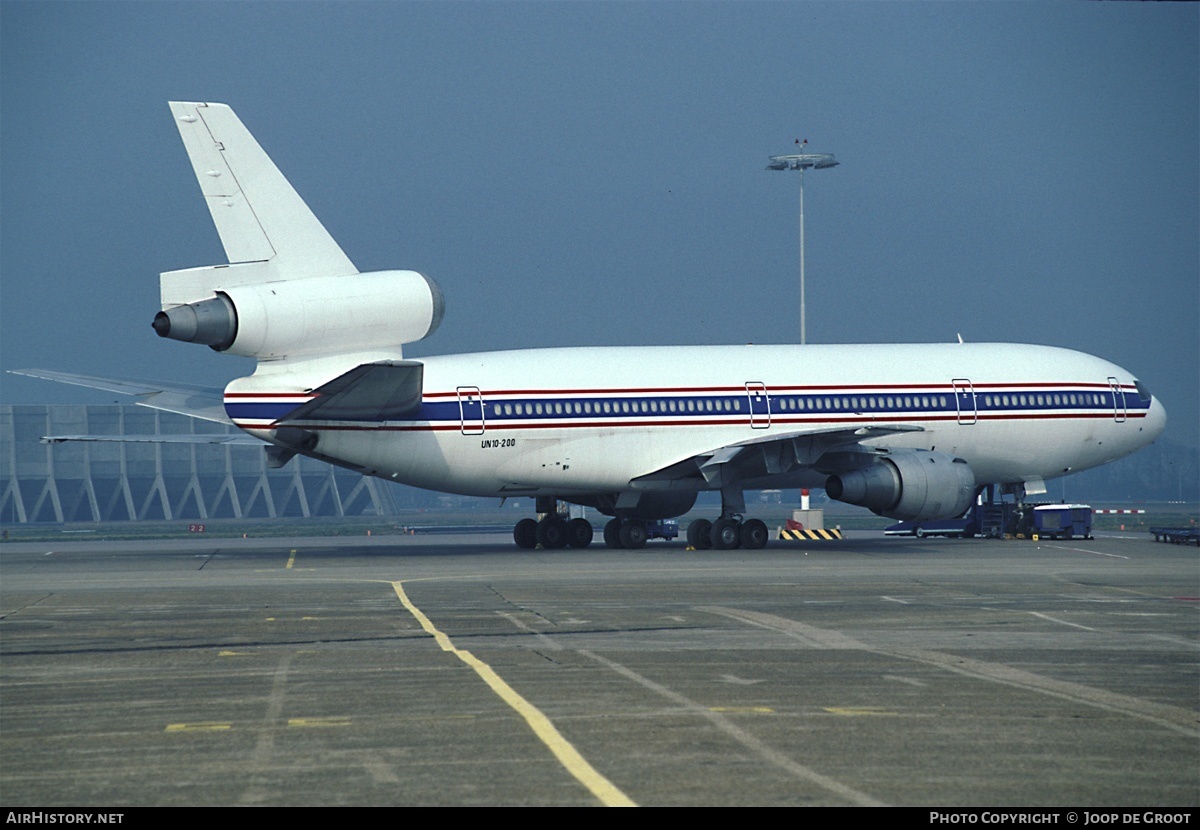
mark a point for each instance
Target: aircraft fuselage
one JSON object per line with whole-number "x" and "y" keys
{"x": 590, "y": 420}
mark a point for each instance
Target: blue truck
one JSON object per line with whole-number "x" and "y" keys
{"x": 1062, "y": 521}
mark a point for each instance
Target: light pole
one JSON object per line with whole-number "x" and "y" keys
{"x": 802, "y": 162}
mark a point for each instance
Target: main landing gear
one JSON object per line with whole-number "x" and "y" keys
{"x": 557, "y": 530}
{"x": 731, "y": 530}
{"x": 727, "y": 533}
{"x": 553, "y": 531}
{"x": 630, "y": 534}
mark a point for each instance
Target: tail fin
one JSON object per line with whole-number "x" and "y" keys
{"x": 289, "y": 293}
{"x": 258, "y": 215}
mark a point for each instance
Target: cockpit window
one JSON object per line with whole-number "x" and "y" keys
{"x": 1143, "y": 392}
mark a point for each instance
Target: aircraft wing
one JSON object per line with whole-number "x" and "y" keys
{"x": 203, "y": 402}
{"x": 767, "y": 455}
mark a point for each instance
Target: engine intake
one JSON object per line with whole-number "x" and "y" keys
{"x": 913, "y": 485}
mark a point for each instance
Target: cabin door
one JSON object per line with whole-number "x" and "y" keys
{"x": 964, "y": 398}
{"x": 1118, "y": 400}
{"x": 470, "y": 407}
{"x": 760, "y": 405}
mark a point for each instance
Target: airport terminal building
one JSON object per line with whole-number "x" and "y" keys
{"x": 145, "y": 481}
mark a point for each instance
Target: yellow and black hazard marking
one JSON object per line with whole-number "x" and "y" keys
{"x": 806, "y": 535}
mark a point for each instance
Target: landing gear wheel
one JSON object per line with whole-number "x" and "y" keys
{"x": 919, "y": 532}
{"x": 612, "y": 533}
{"x": 579, "y": 533}
{"x": 726, "y": 534}
{"x": 525, "y": 534}
{"x": 552, "y": 533}
{"x": 753, "y": 534}
{"x": 699, "y": 534}
{"x": 633, "y": 534}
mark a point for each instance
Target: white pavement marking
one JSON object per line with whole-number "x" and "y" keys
{"x": 1174, "y": 718}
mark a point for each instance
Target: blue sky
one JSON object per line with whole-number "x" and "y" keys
{"x": 593, "y": 173}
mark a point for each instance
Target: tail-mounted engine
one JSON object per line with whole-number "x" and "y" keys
{"x": 319, "y": 315}
{"x": 913, "y": 485}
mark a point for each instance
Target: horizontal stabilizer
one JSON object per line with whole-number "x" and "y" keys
{"x": 203, "y": 402}
{"x": 182, "y": 438}
{"x": 370, "y": 392}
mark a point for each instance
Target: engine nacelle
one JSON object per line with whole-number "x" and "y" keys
{"x": 911, "y": 485}
{"x": 319, "y": 315}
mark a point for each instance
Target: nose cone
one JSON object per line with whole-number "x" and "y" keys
{"x": 1156, "y": 420}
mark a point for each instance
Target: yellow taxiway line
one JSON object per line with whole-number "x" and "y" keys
{"x": 599, "y": 786}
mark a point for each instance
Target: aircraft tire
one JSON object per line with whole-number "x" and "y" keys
{"x": 699, "y": 534}
{"x": 612, "y": 534}
{"x": 753, "y": 534}
{"x": 633, "y": 534}
{"x": 579, "y": 533}
{"x": 525, "y": 534}
{"x": 919, "y": 532}
{"x": 552, "y": 533}
{"x": 726, "y": 534}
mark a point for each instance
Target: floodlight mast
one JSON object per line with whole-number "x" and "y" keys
{"x": 802, "y": 162}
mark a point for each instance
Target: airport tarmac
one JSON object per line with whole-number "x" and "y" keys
{"x": 459, "y": 670}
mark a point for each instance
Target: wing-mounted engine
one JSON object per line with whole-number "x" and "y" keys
{"x": 913, "y": 485}
{"x": 374, "y": 312}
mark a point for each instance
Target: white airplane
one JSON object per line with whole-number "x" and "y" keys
{"x": 910, "y": 431}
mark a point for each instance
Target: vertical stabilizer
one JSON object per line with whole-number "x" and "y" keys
{"x": 258, "y": 214}
{"x": 289, "y": 295}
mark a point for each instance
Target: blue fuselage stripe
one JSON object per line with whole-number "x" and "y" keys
{"x": 584, "y": 409}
